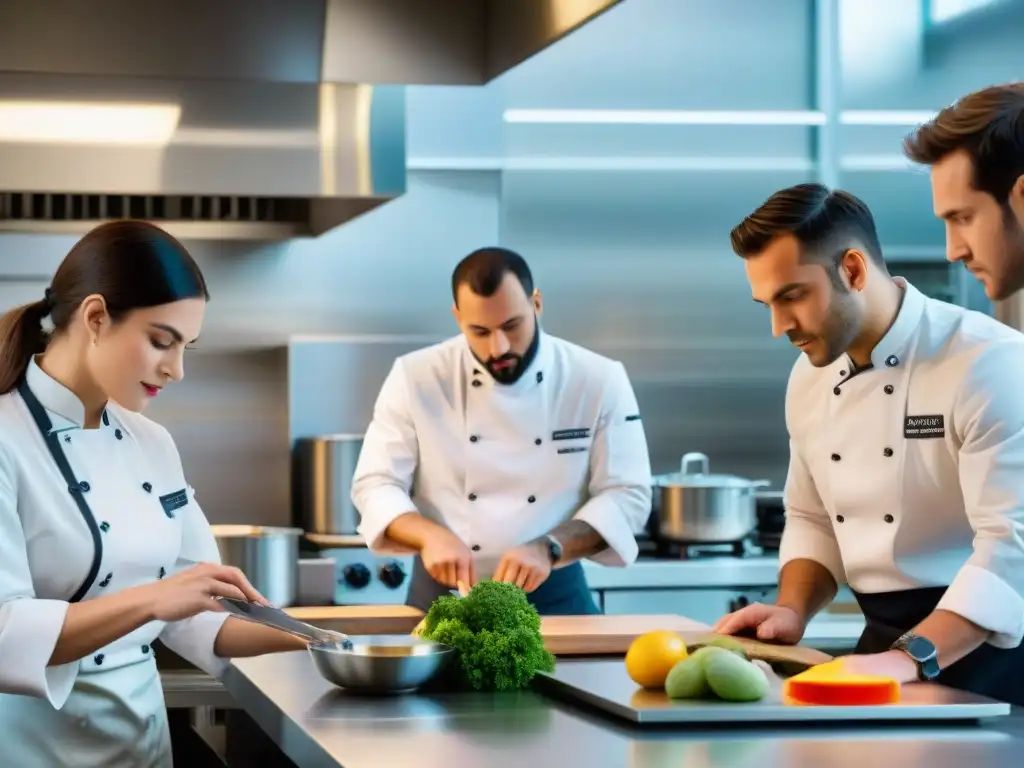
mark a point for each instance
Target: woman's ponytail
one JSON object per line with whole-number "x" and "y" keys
{"x": 21, "y": 337}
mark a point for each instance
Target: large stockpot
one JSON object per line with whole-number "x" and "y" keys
{"x": 696, "y": 507}
{"x": 322, "y": 472}
{"x": 268, "y": 556}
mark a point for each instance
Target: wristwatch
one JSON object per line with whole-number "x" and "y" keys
{"x": 554, "y": 548}
{"x": 922, "y": 651}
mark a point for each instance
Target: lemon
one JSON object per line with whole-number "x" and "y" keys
{"x": 652, "y": 655}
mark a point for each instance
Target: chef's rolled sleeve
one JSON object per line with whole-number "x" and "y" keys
{"x": 29, "y": 626}
{"x": 620, "y": 473}
{"x": 988, "y": 419}
{"x": 808, "y": 532}
{"x": 387, "y": 464}
{"x": 194, "y": 638}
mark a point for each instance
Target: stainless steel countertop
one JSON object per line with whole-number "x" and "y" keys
{"x": 316, "y": 724}
{"x": 707, "y": 572}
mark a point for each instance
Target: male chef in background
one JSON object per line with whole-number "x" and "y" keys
{"x": 504, "y": 452}
{"x": 906, "y": 475}
{"x": 975, "y": 149}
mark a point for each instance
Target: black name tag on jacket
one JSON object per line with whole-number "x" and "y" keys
{"x": 571, "y": 434}
{"x": 173, "y": 501}
{"x": 574, "y": 449}
{"x": 920, "y": 427}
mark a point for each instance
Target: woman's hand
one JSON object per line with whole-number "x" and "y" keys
{"x": 195, "y": 590}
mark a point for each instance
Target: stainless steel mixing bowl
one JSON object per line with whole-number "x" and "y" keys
{"x": 381, "y": 663}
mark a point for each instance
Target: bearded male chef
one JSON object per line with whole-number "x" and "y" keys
{"x": 906, "y": 475}
{"x": 504, "y": 452}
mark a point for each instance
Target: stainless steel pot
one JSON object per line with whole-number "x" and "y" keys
{"x": 696, "y": 507}
{"x": 269, "y": 558}
{"x": 322, "y": 472}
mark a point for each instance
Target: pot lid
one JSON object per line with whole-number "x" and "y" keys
{"x": 694, "y": 473}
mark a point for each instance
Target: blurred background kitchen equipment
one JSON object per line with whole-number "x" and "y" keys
{"x": 268, "y": 556}
{"x": 322, "y": 471}
{"x": 381, "y": 663}
{"x": 694, "y": 506}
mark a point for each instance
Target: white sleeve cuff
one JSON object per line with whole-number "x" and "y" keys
{"x": 381, "y": 507}
{"x": 29, "y": 630}
{"x": 806, "y": 540}
{"x": 603, "y": 515}
{"x": 193, "y": 640}
{"x": 982, "y": 597}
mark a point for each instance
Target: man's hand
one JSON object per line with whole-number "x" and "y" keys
{"x": 448, "y": 559}
{"x": 892, "y": 664}
{"x": 772, "y": 623}
{"x": 527, "y": 566}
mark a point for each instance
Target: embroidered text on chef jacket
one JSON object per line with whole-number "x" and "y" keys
{"x": 143, "y": 525}
{"x": 500, "y": 465}
{"x": 911, "y": 473}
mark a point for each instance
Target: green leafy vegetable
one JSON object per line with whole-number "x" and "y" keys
{"x": 496, "y": 633}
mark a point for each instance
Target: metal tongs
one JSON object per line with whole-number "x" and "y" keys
{"x": 275, "y": 617}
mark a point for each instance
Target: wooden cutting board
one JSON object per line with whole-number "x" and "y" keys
{"x": 612, "y": 635}
{"x": 359, "y": 619}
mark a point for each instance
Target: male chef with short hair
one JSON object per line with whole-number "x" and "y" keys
{"x": 975, "y": 149}
{"x": 906, "y": 476}
{"x": 504, "y": 452}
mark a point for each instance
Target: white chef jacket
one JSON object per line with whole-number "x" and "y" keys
{"x": 911, "y": 473}
{"x": 502, "y": 464}
{"x": 106, "y": 709}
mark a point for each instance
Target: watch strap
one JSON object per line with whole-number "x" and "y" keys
{"x": 923, "y": 653}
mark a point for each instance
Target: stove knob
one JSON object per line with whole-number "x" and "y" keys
{"x": 738, "y": 603}
{"x": 356, "y": 575}
{"x": 392, "y": 575}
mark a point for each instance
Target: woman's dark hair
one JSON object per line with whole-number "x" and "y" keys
{"x": 131, "y": 264}
{"x": 989, "y": 126}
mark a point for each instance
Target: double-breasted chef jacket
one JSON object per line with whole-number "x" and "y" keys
{"x": 86, "y": 513}
{"x": 500, "y": 465}
{"x": 906, "y": 481}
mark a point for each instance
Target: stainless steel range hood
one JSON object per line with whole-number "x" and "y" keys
{"x": 240, "y": 119}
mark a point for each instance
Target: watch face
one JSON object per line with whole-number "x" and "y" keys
{"x": 920, "y": 649}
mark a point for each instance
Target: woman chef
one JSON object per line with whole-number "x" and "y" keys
{"x": 100, "y": 534}
{"x": 906, "y": 475}
{"x": 526, "y": 452}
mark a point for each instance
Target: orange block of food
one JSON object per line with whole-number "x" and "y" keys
{"x": 828, "y": 685}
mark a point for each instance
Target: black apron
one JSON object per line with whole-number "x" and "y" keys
{"x": 565, "y": 593}
{"x": 987, "y": 671}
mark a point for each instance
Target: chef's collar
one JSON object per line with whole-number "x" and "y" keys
{"x": 891, "y": 351}
{"x": 532, "y": 376}
{"x": 65, "y": 409}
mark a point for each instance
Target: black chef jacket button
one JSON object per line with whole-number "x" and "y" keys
{"x": 67, "y": 438}
{"x": 888, "y": 389}
{"x": 540, "y": 376}
{"x": 892, "y": 361}
{"x": 472, "y": 497}
{"x": 836, "y": 390}
{"x": 118, "y": 434}
{"x": 538, "y": 441}
{"x": 145, "y": 649}
{"x": 106, "y": 580}
{"x": 476, "y": 382}
{"x": 889, "y": 518}
{"x": 839, "y": 518}
{"x": 476, "y": 547}
{"x": 163, "y": 572}
{"x": 104, "y": 526}
{"x": 836, "y": 457}
{"x": 473, "y": 438}
{"x": 887, "y": 452}
{"x": 98, "y": 658}
{"x": 84, "y": 486}
{"x": 147, "y": 487}
{"x": 532, "y": 499}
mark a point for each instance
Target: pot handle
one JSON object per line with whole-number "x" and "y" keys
{"x": 690, "y": 458}
{"x": 755, "y": 484}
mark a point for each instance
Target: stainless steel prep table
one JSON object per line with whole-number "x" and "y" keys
{"x": 316, "y": 724}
